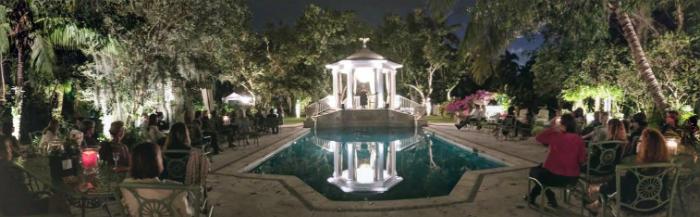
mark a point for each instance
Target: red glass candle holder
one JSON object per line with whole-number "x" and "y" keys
{"x": 89, "y": 159}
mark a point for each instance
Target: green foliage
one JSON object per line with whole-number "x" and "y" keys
{"x": 583, "y": 92}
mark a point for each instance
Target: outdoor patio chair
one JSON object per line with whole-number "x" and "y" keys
{"x": 565, "y": 191}
{"x": 652, "y": 192}
{"x": 602, "y": 159}
{"x": 162, "y": 205}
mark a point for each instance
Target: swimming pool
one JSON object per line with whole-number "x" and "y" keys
{"x": 375, "y": 164}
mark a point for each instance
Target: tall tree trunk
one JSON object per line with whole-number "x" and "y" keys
{"x": 19, "y": 90}
{"x": 2, "y": 79}
{"x": 640, "y": 59}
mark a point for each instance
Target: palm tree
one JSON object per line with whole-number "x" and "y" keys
{"x": 39, "y": 33}
{"x": 642, "y": 64}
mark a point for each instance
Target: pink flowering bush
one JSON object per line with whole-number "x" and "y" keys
{"x": 481, "y": 97}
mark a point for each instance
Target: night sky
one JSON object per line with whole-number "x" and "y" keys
{"x": 372, "y": 12}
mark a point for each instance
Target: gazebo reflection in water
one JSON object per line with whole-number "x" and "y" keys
{"x": 366, "y": 166}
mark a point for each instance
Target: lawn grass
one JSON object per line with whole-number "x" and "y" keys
{"x": 439, "y": 119}
{"x": 292, "y": 120}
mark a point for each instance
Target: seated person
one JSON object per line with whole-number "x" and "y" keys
{"x": 475, "y": 117}
{"x": 567, "y": 153}
{"x": 638, "y": 124}
{"x": 652, "y": 150}
{"x": 116, "y": 147}
{"x": 614, "y": 130}
{"x": 49, "y": 134}
{"x": 599, "y": 130}
{"x": 89, "y": 138}
{"x": 197, "y": 164}
{"x": 147, "y": 164}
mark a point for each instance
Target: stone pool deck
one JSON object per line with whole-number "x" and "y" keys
{"x": 495, "y": 194}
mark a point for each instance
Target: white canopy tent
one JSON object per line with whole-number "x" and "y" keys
{"x": 235, "y": 98}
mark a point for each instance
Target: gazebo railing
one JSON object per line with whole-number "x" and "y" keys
{"x": 409, "y": 106}
{"x": 319, "y": 107}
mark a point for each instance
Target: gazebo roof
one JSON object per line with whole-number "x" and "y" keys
{"x": 364, "y": 57}
{"x": 365, "y": 54}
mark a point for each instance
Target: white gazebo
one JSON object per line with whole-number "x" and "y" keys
{"x": 368, "y": 71}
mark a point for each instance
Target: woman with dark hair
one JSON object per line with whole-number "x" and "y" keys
{"x": 652, "y": 149}
{"x": 147, "y": 164}
{"x": 567, "y": 153}
{"x": 153, "y": 134}
{"x": 637, "y": 125}
{"x": 88, "y": 129}
{"x": 197, "y": 164}
{"x": 178, "y": 138}
{"x": 116, "y": 147}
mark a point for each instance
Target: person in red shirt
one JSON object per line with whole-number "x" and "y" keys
{"x": 567, "y": 153}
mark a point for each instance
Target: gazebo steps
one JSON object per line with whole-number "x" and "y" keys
{"x": 364, "y": 118}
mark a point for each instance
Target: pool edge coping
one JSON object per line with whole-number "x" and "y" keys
{"x": 464, "y": 191}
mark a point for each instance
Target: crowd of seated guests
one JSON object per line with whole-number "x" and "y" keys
{"x": 566, "y": 141}
{"x": 652, "y": 149}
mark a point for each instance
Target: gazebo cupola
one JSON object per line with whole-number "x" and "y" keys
{"x": 366, "y": 71}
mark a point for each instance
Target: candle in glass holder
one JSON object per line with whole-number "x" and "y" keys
{"x": 89, "y": 158}
{"x": 226, "y": 120}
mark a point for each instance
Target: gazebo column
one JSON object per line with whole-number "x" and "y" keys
{"x": 337, "y": 163}
{"x": 336, "y": 88}
{"x": 379, "y": 162}
{"x": 380, "y": 88}
{"x": 391, "y": 162}
{"x": 392, "y": 88}
{"x": 352, "y": 176}
{"x": 350, "y": 95}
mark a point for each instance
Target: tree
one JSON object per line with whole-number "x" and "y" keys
{"x": 425, "y": 46}
{"x": 643, "y": 65}
{"x": 37, "y": 31}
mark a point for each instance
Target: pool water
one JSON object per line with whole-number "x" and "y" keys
{"x": 375, "y": 164}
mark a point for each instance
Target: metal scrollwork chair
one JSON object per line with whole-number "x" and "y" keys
{"x": 602, "y": 158}
{"x": 160, "y": 199}
{"x": 649, "y": 189}
{"x": 175, "y": 164}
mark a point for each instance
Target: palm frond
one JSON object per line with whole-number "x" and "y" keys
{"x": 4, "y": 29}
{"x": 73, "y": 37}
{"x": 42, "y": 56}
